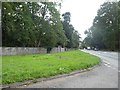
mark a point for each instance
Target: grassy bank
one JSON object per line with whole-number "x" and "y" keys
{"x": 25, "y": 67}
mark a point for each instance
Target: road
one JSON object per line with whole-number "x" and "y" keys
{"x": 104, "y": 76}
{"x": 110, "y": 58}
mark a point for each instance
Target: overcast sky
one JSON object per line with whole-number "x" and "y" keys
{"x": 82, "y": 13}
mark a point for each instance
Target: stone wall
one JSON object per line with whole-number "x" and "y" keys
{"x": 27, "y": 50}
{"x": 57, "y": 49}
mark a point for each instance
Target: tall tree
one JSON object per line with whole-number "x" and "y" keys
{"x": 104, "y": 32}
{"x": 32, "y": 24}
{"x": 71, "y": 34}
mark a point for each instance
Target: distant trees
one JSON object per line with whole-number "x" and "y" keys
{"x": 73, "y": 37}
{"x": 32, "y": 24}
{"x": 104, "y": 33}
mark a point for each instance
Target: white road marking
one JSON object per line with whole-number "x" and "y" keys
{"x": 114, "y": 68}
{"x": 106, "y": 62}
{"x": 108, "y": 65}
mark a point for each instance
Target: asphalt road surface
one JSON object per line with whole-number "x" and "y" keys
{"x": 110, "y": 58}
{"x": 104, "y": 76}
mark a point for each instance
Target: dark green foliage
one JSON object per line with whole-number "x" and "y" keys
{"x": 73, "y": 37}
{"x": 104, "y": 33}
{"x": 16, "y": 24}
{"x": 31, "y": 24}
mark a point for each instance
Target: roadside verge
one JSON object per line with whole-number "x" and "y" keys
{"x": 28, "y": 82}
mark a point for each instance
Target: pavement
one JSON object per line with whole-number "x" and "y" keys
{"x": 104, "y": 76}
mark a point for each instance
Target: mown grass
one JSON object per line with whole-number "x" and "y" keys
{"x": 26, "y": 67}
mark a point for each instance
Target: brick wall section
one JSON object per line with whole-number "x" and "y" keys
{"x": 27, "y": 50}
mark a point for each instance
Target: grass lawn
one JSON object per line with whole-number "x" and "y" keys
{"x": 26, "y": 67}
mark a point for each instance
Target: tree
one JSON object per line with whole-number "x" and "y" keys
{"x": 76, "y": 39}
{"x": 13, "y": 26}
{"x": 71, "y": 34}
{"x": 32, "y": 24}
{"x": 104, "y": 32}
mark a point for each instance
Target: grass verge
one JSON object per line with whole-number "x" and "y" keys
{"x": 25, "y": 67}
